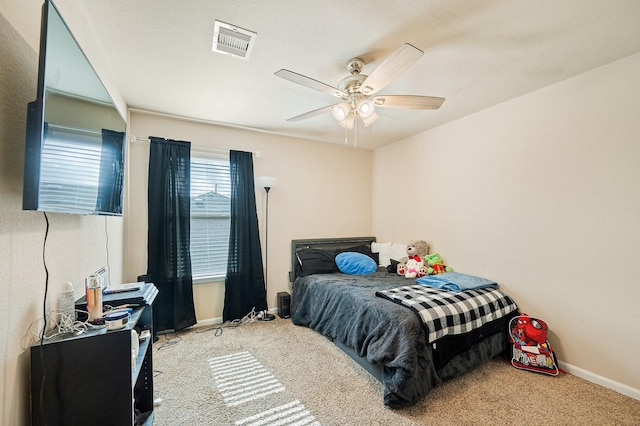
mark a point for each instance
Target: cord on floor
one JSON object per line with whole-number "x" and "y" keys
{"x": 252, "y": 316}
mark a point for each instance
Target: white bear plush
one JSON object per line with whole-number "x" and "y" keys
{"x": 413, "y": 267}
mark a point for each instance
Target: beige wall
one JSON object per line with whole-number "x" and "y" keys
{"x": 323, "y": 190}
{"x": 542, "y": 194}
{"x": 76, "y": 245}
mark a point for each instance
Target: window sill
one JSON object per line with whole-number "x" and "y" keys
{"x": 208, "y": 280}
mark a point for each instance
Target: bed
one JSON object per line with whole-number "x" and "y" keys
{"x": 385, "y": 337}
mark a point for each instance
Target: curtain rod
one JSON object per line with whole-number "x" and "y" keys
{"x": 134, "y": 138}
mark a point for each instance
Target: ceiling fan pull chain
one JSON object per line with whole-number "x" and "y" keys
{"x": 355, "y": 134}
{"x": 346, "y": 135}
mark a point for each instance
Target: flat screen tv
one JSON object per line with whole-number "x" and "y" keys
{"x": 75, "y": 136}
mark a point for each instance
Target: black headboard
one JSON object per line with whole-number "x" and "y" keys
{"x": 323, "y": 243}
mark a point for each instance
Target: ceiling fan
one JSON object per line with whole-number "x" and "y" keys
{"x": 357, "y": 91}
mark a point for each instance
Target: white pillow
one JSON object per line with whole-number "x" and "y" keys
{"x": 388, "y": 251}
{"x": 398, "y": 251}
{"x": 383, "y": 250}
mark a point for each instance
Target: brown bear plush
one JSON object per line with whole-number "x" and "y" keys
{"x": 414, "y": 264}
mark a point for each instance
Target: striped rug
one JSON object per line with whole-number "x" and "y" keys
{"x": 242, "y": 380}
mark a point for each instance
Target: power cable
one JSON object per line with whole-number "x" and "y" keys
{"x": 44, "y": 315}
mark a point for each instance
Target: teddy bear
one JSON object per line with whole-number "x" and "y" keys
{"x": 435, "y": 264}
{"x": 413, "y": 265}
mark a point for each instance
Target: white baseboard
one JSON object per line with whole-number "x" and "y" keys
{"x": 208, "y": 322}
{"x": 218, "y": 320}
{"x": 603, "y": 381}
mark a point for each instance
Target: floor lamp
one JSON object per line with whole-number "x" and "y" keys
{"x": 267, "y": 182}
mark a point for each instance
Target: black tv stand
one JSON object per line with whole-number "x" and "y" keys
{"x": 91, "y": 378}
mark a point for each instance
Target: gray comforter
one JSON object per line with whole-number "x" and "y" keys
{"x": 345, "y": 308}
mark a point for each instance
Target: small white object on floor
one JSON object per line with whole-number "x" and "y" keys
{"x": 157, "y": 402}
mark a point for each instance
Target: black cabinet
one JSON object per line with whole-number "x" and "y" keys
{"x": 92, "y": 378}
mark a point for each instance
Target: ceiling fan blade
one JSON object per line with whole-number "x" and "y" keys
{"x": 310, "y": 114}
{"x": 407, "y": 101}
{"x": 309, "y": 82}
{"x": 391, "y": 68}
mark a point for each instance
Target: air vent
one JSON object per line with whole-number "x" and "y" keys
{"x": 231, "y": 40}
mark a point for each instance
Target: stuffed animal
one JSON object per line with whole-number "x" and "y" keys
{"x": 435, "y": 264}
{"x": 413, "y": 265}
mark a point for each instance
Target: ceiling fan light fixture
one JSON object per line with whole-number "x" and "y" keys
{"x": 341, "y": 111}
{"x": 348, "y": 121}
{"x": 370, "y": 119}
{"x": 366, "y": 108}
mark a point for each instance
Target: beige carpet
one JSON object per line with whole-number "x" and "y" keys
{"x": 201, "y": 379}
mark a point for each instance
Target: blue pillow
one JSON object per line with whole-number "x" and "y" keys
{"x": 353, "y": 263}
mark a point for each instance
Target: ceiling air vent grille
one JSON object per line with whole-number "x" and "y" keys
{"x": 231, "y": 40}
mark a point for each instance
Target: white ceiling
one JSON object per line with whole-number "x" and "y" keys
{"x": 476, "y": 54}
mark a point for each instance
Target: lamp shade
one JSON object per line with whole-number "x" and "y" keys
{"x": 370, "y": 119}
{"x": 267, "y": 181}
{"x": 340, "y": 111}
{"x": 366, "y": 108}
{"x": 348, "y": 122}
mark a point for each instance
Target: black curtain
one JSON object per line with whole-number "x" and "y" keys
{"x": 169, "y": 258}
{"x": 244, "y": 285}
{"x": 111, "y": 172}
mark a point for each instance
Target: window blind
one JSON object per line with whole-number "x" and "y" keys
{"x": 210, "y": 217}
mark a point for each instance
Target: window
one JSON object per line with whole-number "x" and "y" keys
{"x": 210, "y": 217}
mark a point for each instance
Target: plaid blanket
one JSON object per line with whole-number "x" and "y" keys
{"x": 445, "y": 313}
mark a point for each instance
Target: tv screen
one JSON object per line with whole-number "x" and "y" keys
{"x": 75, "y": 136}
